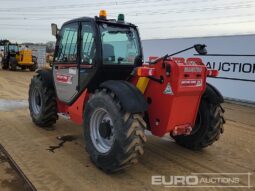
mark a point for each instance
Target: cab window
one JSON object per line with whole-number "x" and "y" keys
{"x": 67, "y": 45}
{"x": 120, "y": 44}
{"x": 88, "y": 45}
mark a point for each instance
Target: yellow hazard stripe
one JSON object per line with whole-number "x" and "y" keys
{"x": 142, "y": 83}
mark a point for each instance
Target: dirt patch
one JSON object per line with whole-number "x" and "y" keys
{"x": 9, "y": 179}
{"x": 14, "y": 84}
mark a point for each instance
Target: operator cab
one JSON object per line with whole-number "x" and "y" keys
{"x": 90, "y": 51}
{"x": 11, "y": 48}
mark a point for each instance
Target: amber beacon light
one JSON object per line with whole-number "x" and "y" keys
{"x": 102, "y": 14}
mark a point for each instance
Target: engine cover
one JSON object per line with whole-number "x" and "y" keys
{"x": 175, "y": 101}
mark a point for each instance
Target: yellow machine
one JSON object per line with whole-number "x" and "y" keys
{"x": 25, "y": 57}
{"x": 13, "y": 58}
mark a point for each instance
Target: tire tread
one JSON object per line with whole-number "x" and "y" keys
{"x": 49, "y": 116}
{"x": 132, "y": 137}
{"x": 212, "y": 132}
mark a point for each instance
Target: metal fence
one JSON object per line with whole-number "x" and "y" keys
{"x": 40, "y": 52}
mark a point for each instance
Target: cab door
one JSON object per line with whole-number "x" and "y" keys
{"x": 88, "y": 54}
{"x": 65, "y": 66}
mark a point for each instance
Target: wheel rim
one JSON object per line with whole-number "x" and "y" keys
{"x": 36, "y": 101}
{"x": 101, "y": 130}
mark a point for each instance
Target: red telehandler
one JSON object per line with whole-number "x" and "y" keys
{"x": 99, "y": 80}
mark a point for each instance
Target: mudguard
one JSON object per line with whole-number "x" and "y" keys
{"x": 131, "y": 99}
{"x": 212, "y": 94}
{"x": 47, "y": 77}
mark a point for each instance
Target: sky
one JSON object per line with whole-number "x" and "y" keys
{"x": 30, "y": 20}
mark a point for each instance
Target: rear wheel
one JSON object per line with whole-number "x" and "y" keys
{"x": 33, "y": 67}
{"x": 114, "y": 138}
{"x": 35, "y": 64}
{"x": 23, "y": 68}
{"x": 13, "y": 63}
{"x": 208, "y": 127}
{"x": 42, "y": 103}
{"x": 4, "y": 65}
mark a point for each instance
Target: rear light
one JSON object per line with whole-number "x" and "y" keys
{"x": 146, "y": 71}
{"x": 212, "y": 73}
{"x": 182, "y": 130}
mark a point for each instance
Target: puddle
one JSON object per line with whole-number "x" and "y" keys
{"x": 63, "y": 139}
{"x": 10, "y": 105}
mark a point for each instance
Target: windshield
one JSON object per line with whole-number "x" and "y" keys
{"x": 13, "y": 48}
{"x": 120, "y": 44}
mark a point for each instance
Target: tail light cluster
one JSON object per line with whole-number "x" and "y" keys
{"x": 145, "y": 71}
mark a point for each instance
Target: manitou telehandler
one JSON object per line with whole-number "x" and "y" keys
{"x": 98, "y": 80}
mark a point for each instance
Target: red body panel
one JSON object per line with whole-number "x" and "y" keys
{"x": 75, "y": 111}
{"x": 168, "y": 111}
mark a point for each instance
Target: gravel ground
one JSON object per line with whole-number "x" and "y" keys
{"x": 69, "y": 167}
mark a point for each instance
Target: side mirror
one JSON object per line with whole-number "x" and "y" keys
{"x": 54, "y": 29}
{"x": 201, "y": 49}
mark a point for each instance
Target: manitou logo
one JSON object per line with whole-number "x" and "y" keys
{"x": 66, "y": 79}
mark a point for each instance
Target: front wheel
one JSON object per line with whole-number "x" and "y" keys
{"x": 5, "y": 66}
{"x": 13, "y": 63}
{"x": 207, "y": 129}
{"x": 114, "y": 138}
{"x": 42, "y": 103}
{"x": 23, "y": 68}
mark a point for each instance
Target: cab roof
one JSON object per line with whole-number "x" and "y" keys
{"x": 98, "y": 19}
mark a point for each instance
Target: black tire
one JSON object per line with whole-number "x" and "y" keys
{"x": 5, "y": 66}
{"x": 208, "y": 127}
{"x": 45, "y": 98}
{"x": 13, "y": 63}
{"x": 35, "y": 64}
{"x": 23, "y": 68}
{"x": 128, "y": 133}
{"x": 33, "y": 67}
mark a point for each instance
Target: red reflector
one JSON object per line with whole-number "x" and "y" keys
{"x": 182, "y": 130}
{"x": 213, "y": 73}
{"x": 145, "y": 71}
